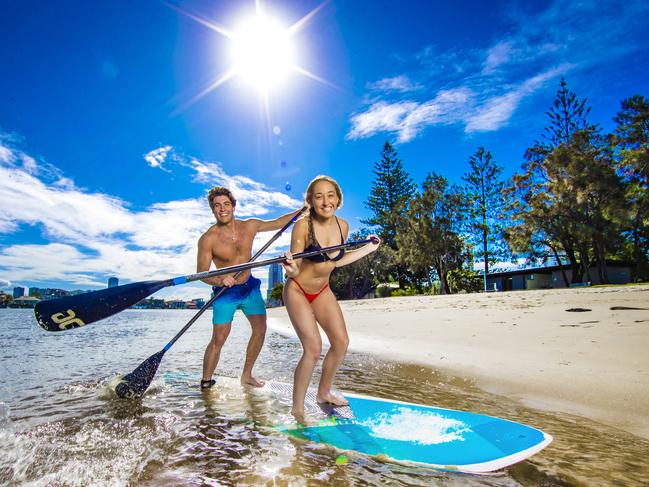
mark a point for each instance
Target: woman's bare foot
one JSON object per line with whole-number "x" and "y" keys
{"x": 251, "y": 381}
{"x": 301, "y": 418}
{"x": 331, "y": 398}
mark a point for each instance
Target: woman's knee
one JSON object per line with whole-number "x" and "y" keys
{"x": 312, "y": 351}
{"x": 340, "y": 345}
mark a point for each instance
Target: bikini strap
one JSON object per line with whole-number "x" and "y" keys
{"x": 342, "y": 239}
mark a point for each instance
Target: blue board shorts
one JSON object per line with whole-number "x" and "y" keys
{"x": 246, "y": 297}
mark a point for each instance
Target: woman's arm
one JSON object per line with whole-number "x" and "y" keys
{"x": 353, "y": 255}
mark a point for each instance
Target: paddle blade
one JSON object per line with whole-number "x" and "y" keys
{"x": 75, "y": 311}
{"x": 138, "y": 381}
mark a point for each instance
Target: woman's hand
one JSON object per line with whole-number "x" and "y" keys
{"x": 376, "y": 241}
{"x": 290, "y": 266}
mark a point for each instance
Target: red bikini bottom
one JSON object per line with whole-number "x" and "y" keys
{"x": 310, "y": 297}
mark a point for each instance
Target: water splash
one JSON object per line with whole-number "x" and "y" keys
{"x": 424, "y": 428}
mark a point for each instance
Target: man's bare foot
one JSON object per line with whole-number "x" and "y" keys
{"x": 331, "y": 398}
{"x": 251, "y": 381}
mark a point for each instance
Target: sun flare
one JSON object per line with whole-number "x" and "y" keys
{"x": 263, "y": 53}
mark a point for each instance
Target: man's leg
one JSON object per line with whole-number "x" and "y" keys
{"x": 258, "y": 325}
{"x": 213, "y": 351}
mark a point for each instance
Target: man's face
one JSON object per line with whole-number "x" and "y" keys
{"x": 222, "y": 209}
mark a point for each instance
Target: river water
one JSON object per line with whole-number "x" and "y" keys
{"x": 60, "y": 425}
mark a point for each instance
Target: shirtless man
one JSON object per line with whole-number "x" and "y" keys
{"x": 229, "y": 242}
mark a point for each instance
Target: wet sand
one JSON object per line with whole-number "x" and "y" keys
{"x": 591, "y": 361}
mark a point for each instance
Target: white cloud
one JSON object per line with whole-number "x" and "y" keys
{"x": 495, "y": 79}
{"x": 93, "y": 235}
{"x": 496, "y": 56}
{"x": 401, "y": 84}
{"x": 497, "y": 111}
{"x": 157, "y": 157}
{"x": 408, "y": 119}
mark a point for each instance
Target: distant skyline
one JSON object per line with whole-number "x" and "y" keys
{"x": 117, "y": 117}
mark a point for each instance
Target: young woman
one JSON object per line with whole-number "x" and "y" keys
{"x": 307, "y": 295}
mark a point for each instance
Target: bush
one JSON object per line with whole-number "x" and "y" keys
{"x": 408, "y": 291}
{"x": 383, "y": 292}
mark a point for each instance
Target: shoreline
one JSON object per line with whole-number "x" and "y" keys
{"x": 521, "y": 344}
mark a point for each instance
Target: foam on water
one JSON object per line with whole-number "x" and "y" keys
{"x": 424, "y": 428}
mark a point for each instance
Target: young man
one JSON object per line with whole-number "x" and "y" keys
{"x": 227, "y": 243}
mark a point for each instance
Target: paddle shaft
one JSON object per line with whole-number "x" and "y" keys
{"x": 252, "y": 265}
{"x": 207, "y": 305}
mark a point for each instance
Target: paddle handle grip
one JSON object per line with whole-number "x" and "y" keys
{"x": 262, "y": 263}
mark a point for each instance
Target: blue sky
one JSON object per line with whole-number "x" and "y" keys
{"x": 110, "y": 135}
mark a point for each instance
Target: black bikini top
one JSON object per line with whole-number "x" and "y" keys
{"x": 314, "y": 245}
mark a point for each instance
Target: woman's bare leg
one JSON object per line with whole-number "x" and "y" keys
{"x": 301, "y": 316}
{"x": 328, "y": 313}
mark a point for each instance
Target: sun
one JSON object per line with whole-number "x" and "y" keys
{"x": 263, "y": 53}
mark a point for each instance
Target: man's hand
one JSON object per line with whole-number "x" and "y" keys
{"x": 228, "y": 281}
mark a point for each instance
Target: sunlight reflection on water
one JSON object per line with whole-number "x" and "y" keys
{"x": 58, "y": 425}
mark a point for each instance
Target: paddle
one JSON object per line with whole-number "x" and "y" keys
{"x": 138, "y": 381}
{"x": 74, "y": 311}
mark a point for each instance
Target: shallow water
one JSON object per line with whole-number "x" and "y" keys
{"x": 59, "y": 425}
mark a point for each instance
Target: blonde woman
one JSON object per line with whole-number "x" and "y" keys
{"x": 308, "y": 298}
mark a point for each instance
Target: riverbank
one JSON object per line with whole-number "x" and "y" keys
{"x": 581, "y": 351}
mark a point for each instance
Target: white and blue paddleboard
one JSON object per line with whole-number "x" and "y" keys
{"x": 415, "y": 434}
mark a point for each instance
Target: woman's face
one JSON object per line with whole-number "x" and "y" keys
{"x": 325, "y": 200}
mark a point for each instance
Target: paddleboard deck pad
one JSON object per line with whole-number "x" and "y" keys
{"x": 414, "y": 434}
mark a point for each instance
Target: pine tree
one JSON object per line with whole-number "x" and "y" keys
{"x": 631, "y": 144}
{"x": 565, "y": 201}
{"x": 391, "y": 190}
{"x": 483, "y": 192}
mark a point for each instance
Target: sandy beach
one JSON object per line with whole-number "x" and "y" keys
{"x": 592, "y": 361}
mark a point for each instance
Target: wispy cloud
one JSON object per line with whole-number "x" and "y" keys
{"x": 402, "y": 84}
{"x": 92, "y": 235}
{"x": 157, "y": 157}
{"x": 408, "y": 118}
{"x": 487, "y": 85}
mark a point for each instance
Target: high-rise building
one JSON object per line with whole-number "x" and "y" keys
{"x": 19, "y": 292}
{"x": 113, "y": 282}
{"x": 275, "y": 276}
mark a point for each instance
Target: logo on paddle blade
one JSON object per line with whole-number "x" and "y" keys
{"x": 67, "y": 321}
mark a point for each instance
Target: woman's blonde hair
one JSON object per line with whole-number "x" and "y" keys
{"x": 308, "y": 196}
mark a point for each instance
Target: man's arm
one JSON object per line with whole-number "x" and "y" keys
{"x": 204, "y": 260}
{"x": 269, "y": 225}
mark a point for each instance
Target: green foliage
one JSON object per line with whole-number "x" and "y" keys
{"x": 356, "y": 280}
{"x": 428, "y": 240}
{"x": 407, "y": 291}
{"x": 383, "y": 292}
{"x": 391, "y": 190}
{"x": 277, "y": 292}
{"x": 483, "y": 192}
{"x": 465, "y": 280}
{"x": 631, "y": 147}
{"x": 564, "y": 204}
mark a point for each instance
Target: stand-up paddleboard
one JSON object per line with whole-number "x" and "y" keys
{"x": 395, "y": 431}
{"x": 415, "y": 434}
